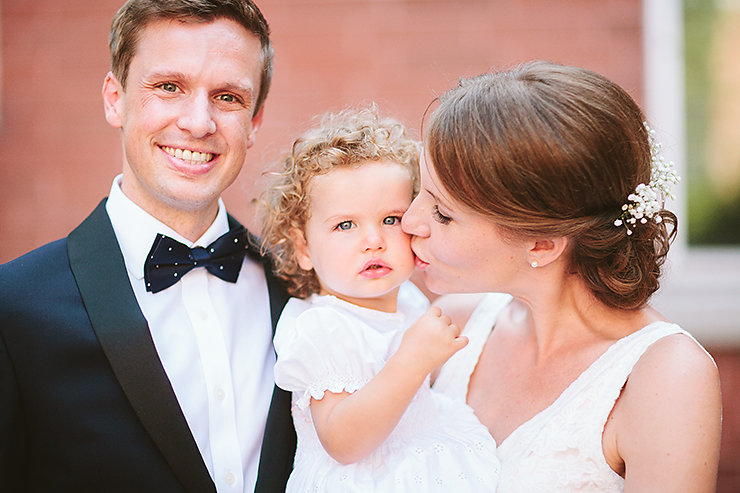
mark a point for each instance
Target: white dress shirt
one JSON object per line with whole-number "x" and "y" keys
{"x": 214, "y": 340}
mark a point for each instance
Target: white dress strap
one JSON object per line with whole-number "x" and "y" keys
{"x": 455, "y": 375}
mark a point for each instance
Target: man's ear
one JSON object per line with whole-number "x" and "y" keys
{"x": 256, "y": 124}
{"x": 301, "y": 249}
{"x": 547, "y": 250}
{"x": 112, "y": 94}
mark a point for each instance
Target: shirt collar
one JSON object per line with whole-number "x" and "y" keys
{"x": 136, "y": 229}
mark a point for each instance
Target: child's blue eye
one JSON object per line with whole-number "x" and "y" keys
{"x": 344, "y": 225}
{"x": 391, "y": 220}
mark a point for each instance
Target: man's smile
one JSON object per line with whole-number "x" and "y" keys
{"x": 192, "y": 157}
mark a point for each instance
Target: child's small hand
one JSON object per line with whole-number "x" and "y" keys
{"x": 431, "y": 340}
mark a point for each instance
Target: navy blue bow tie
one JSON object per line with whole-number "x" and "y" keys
{"x": 169, "y": 260}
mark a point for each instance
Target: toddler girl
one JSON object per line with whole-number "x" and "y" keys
{"x": 357, "y": 343}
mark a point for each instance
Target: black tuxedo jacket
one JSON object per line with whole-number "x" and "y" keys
{"x": 85, "y": 405}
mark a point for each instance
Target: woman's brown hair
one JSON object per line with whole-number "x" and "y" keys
{"x": 553, "y": 150}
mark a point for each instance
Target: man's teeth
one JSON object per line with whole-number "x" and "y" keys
{"x": 188, "y": 155}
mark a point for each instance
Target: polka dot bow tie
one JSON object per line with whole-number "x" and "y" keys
{"x": 169, "y": 260}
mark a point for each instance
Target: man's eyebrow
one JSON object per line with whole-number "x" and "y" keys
{"x": 227, "y": 86}
{"x": 165, "y": 74}
{"x": 232, "y": 87}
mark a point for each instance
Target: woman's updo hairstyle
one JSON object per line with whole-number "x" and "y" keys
{"x": 553, "y": 150}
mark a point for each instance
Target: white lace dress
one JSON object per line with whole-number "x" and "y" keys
{"x": 324, "y": 343}
{"x": 560, "y": 448}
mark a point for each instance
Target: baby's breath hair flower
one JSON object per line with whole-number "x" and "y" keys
{"x": 647, "y": 201}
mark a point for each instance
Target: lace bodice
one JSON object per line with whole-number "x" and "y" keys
{"x": 560, "y": 448}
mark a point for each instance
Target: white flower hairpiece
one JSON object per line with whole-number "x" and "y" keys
{"x": 647, "y": 200}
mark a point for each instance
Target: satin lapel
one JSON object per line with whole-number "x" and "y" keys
{"x": 279, "y": 442}
{"x": 98, "y": 268}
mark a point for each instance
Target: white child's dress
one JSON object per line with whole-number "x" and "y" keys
{"x": 324, "y": 343}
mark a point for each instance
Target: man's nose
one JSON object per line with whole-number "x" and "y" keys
{"x": 197, "y": 115}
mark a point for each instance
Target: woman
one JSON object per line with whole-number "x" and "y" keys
{"x": 530, "y": 185}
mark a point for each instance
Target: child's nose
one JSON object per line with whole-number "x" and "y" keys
{"x": 374, "y": 239}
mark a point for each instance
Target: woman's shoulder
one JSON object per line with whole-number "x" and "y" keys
{"x": 676, "y": 361}
{"x": 671, "y": 362}
{"x": 669, "y": 411}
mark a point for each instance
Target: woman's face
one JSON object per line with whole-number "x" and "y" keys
{"x": 457, "y": 249}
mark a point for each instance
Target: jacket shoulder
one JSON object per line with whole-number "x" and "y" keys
{"x": 32, "y": 265}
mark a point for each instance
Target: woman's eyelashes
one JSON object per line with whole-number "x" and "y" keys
{"x": 439, "y": 217}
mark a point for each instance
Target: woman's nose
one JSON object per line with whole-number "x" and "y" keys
{"x": 413, "y": 222}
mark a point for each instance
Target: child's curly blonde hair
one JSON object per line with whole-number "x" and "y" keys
{"x": 346, "y": 138}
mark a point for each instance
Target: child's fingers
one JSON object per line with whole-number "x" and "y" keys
{"x": 455, "y": 329}
{"x": 437, "y": 312}
{"x": 461, "y": 342}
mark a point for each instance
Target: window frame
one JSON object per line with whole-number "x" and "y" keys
{"x": 700, "y": 289}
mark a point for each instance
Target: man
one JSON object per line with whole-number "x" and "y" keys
{"x": 136, "y": 354}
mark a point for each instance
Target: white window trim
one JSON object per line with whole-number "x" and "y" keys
{"x": 701, "y": 286}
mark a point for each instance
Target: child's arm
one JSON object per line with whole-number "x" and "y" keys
{"x": 351, "y": 426}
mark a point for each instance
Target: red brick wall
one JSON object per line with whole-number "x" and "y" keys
{"x": 728, "y": 361}
{"x": 58, "y": 155}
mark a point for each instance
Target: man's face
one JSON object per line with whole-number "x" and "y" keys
{"x": 186, "y": 114}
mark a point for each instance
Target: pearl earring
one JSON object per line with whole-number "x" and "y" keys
{"x": 534, "y": 264}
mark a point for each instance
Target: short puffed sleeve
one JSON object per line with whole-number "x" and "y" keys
{"x": 324, "y": 349}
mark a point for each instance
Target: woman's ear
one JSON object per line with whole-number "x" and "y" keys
{"x": 301, "y": 249}
{"x": 544, "y": 251}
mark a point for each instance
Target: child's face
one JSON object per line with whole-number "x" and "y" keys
{"x": 353, "y": 237}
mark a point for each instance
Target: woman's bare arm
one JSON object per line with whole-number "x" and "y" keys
{"x": 668, "y": 420}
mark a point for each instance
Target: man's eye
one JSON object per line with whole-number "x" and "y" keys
{"x": 344, "y": 225}
{"x": 439, "y": 217}
{"x": 229, "y": 98}
{"x": 168, "y": 87}
{"x": 391, "y": 220}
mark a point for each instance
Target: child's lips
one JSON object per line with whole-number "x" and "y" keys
{"x": 375, "y": 268}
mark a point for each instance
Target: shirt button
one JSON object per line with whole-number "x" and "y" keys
{"x": 220, "y": 394}
{"x": 230, "y": 479}
{"x": 203, "y": 315}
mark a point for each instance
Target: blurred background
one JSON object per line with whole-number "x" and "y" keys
{"x": 678, "y": 59}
